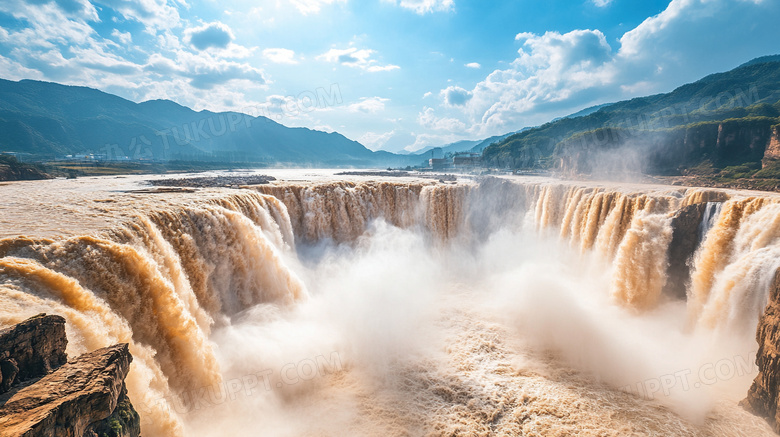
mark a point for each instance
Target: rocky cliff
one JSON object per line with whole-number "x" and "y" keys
{"x": 741, "y": 141}
{"x": 47, "y": 396}
{"x": 764, "y": 395}
{"x": 31, "y": 349}
{"x": 685, "y": 240}
{"x": 772, "y": 153}
{"x": 614, "y": 150}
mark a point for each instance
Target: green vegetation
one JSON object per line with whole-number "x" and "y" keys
{"x": 770, "y": 172}
{"x": 676, "y": 131}
{"x": 704, "y": 168}
{"x": 734, "y": 172}
{"x": 123, "y": 422}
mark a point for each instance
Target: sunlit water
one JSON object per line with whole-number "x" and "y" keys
{"x": 343, "y": 306}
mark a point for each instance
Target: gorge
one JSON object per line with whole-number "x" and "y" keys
{"x": 494, "y": 306}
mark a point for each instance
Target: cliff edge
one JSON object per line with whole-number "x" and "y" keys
{"x": 764, "y": 394}
{"x": 46, "y": 396}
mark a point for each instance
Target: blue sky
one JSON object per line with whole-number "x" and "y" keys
{"x": 392, "y": 74}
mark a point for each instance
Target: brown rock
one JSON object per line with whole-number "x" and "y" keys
{"x": 123, "y": 422}
{"x": 772, "y": 152}
{"x": 31, "y": 349}
{"x": 764, "y": 394}
{"x": 685, "y": 240}
{"x": 67, "y": 401}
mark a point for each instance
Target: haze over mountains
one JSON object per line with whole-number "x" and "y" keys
{"x": 49, "y": 120}
{"x": 468, "y": 146}
{"x": 43, "y": 120}
{"x": 724, "y": 119}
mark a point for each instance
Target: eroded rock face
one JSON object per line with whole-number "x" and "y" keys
{"x": 725, "y": 143}
{"x": 685, "y": 240}
{"x": 31, "y": 349}
{"x": 764, "y": 394}
{"x": 772, "y": 153}
{"x": 66, "y": 402}
{"x": 123, "y": 422}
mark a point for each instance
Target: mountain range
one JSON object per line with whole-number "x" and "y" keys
{"x": 674, "y": 131}
{"x": 48, "y": 120}
{"x": 463, "y": 146}
{"x": 45, "y": 120}
{"x": 722, "y": 120}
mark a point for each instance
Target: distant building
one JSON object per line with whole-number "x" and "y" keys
{"x": 439, "y": 163}
{"x": 467, "y": 160}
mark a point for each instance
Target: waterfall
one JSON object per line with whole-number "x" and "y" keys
{"x": 165, "y": 280}
{"x": 161, "y": 283}
{"x": 710, "y": 217}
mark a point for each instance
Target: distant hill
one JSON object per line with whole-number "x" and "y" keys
{"x": 480, "y": 147}
{"x": 761, "y": 60}
{"x": 477, "y": 146}
{"x": 723, "y": 119}
{"x": 48, "y": 120}
{"x": 472, "y": 146}
{"x": 456, "y": 147}
{"x": 584, "y": 112}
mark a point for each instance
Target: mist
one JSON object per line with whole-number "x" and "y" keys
{"x": 416, "y": 308}
{"x": 382, "y": 314}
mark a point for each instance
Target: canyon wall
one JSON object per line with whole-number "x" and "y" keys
{"x": 772, "y": 154}
{"x": 616, "y": 151}
{"x": 764, "y": 395}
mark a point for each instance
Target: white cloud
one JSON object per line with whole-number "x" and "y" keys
{"x": 48, "y": 27}
{"x": 652, "y": 52}
{"x": 550, "y": 68}
{"x": 312, "y": 6}
{"x": 221, "y": 97}
{"x": 99, "y": 60}
{"x": 153, "y": 14}
{"x": 203, "y": 70}
{"x": 429, "y": 120}
{"x": 215, "y": 38}
{"x": 556, "y": 73}
{"x": 324, "y": 128}
{"x": 209, "y": 35}
{"x": 552, "y": 74}
{"x": 423, "y": 140}
{"x": 368, "y": 105}
{"x": 123, "y": 37}
{"x": 235, "y": 51}
{"x": 456, "y": 96}
{"x": 474, "y": 65}
{"x": 356, "y": 58}
{"x": 280, "y": 56}
{"x": 375, "y": 141}
{"x": 425, "y": 6}
{"x": 601, "y": 3}
{"x": 57, "y": 43}
{"x": 376, "y": 68}
{"x": 13, "y": 70}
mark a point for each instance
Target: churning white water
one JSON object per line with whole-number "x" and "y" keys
{"x": 359, "y": 308}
